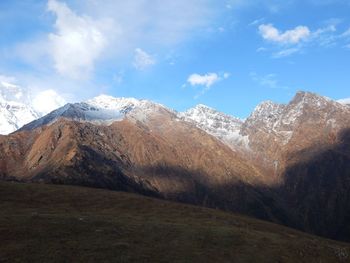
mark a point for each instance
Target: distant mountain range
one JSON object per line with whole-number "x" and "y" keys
{"x": 286, "y": 163}
{"x": 15, "y": 108}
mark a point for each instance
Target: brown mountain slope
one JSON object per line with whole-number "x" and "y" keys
{"x": 306, "y": 144}
{"x": 278, "y": 131}
{"x": 47, "y": 223}
{"x": 301, "y": 149}
{"x": 161, "y": 157}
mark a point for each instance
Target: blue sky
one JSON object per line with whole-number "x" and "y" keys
{"x": 229, "y": 54}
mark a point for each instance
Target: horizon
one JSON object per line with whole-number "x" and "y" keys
{"x": 229, "y": 55}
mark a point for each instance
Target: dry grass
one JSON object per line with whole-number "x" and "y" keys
{"x": 48, "y": 223}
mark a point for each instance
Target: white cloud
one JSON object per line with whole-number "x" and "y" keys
{"x": 206, "y": 81}
{"x": 296, "y": 40}
{"x": 47, "y": 101}
{"x": 7, "y": 79}
{"x": 89, "y": 34}
{"x": 203, "y": 80}
{"x": 78, "y": 41}
{"x": 143, "y": 60}
{"x": 43, "y": 101}
{"x": 293, "y": 36}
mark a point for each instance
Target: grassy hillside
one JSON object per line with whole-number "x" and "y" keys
{"x": 50, "y": 223}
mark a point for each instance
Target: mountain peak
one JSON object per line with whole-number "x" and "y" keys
{"x": 224, "y": 127}
{"x": 15, "y": 107}
{"x": 203, "y": 106}
{"x": 344, "y": 101}
{"x": 310, "y": 98}
{"x": 109, "y": 102}
{"x": 266, "y": 109}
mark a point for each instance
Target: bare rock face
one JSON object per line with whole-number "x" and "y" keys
{"x": 287, "y": 163}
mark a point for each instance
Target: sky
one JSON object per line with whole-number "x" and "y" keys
{"x": 227, "y": 54}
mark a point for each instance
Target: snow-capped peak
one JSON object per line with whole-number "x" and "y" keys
{"x": 15, "y": 109}
{"x": 102, "y": 110}
{"x": 224, "y": 127}
{"x": 344, "y": 101}
{"x": 109, "y": 102}
{"x": 282, "y": 120}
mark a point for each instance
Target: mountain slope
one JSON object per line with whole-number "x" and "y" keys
{"x": 45, "y": 223}
{"x": 149, "y": 151}
{"x": 295, "y": 170}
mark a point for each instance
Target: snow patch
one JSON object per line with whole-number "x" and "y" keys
{"x": 224, "y": 127}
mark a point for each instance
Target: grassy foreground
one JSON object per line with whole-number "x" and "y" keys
{"x": 50, "y": 223}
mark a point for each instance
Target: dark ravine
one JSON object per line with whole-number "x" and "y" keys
{"x": 169, "y": 158}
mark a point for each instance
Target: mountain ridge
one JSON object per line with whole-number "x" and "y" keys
{"x": 280, "y": 175}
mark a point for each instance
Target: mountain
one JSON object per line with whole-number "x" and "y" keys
{"x": 102, "y": 110}
{"x": 48, "y": 223}
{"x": 137, "y": 146}
{"x": 15, "y": 111}
{"x": 277, "y": 131}
{"x": 224, "y": 127}
{"x": 304, "y": 146}
{"x": 345, "y": 101}
{"x": 286, "y": 163}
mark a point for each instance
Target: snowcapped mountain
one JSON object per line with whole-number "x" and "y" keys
{"x": 274, "y": 128}
{"x": 222, "y": 126}
{"x": 270, "y": 125}
{"x": 287, "y": 163}
{"x": 100, "y": 110}
{"x": 15, "y": 109}
{"x": 345, "y": 101}
{"x": 282, "y": 120}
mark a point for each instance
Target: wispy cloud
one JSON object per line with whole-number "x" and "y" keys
{"x": 272, "y": 6}
{"x": 269, "y": 81}
{"x": 286, "y": 52}
{"x": 143, "y": 60}
{"x": 257, "y": 22}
